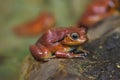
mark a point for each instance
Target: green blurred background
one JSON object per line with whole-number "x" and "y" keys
{"x": 14, "y": 49}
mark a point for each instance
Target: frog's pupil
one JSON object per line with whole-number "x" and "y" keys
{"x": 75, "y": 36}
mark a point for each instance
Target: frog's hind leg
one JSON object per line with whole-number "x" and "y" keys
{"x": 40, "y": 53}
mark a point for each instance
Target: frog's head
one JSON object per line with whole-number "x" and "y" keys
{"x": 75, "y": 36}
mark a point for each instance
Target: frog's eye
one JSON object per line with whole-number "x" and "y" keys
{"x": 74, "y": 36}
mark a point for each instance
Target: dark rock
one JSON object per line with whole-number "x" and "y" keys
{"x": 106, "y": 55}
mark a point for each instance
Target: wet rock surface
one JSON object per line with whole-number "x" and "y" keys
{"x": 103, "y": 62}
{"x": 106, "y": 55}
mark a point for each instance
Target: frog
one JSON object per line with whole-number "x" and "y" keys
{"x": 41, "y": 23}
{"x": 60, "y": 43}
{"x": 98, "y": 10}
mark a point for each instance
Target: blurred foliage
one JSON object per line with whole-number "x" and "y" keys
{"x": 13, "y": 49}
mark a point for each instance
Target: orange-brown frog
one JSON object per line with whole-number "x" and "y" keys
{"x": 60, "y": 43}
{"x": 98, "y": 10}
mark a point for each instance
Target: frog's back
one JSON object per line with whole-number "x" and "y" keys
{"x": 51, "y": 36}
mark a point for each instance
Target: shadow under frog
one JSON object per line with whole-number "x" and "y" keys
{"x": 60, "y": 43}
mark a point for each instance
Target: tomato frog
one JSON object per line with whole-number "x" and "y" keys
{"x": 98, "y": 10}
{"x": 43, "y": 22}
{"x": 60, "y": 43}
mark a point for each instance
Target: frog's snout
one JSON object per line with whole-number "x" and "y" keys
{"x": 83, "y": 39}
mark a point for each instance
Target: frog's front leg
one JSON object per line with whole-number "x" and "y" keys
{"x": 84, "y": 52}
{"x": 40, "y": 53}
{"x": 67, "y": 53}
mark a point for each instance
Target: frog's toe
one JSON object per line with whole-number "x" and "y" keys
{"x": 84, "y": 54}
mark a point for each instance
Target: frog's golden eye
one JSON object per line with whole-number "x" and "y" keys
{"x": 74, "y": 36}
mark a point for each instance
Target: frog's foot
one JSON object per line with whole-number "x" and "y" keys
{"x": 84, "y": 53}
{"x": 60, "y": 54}
{"x": 81, "y": 51}
{"x": 40, "y": 53}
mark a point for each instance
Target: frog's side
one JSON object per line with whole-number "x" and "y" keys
{"x": 60, "y": 43}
